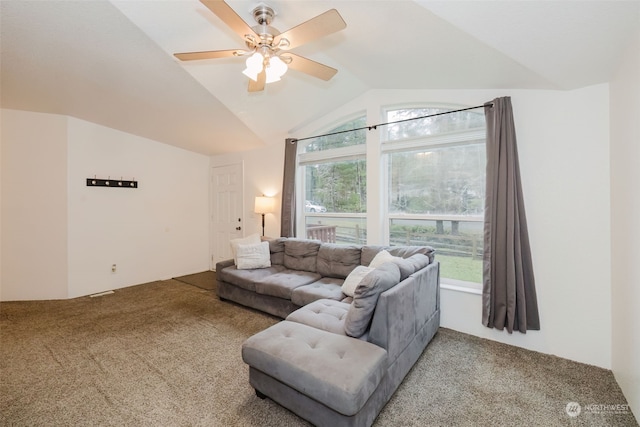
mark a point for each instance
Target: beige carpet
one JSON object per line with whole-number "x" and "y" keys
{"x": 168, "y": 354}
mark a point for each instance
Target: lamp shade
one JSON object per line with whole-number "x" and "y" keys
{"x": 275, "y": 69}
{"x": 264, "y": 204}
{"x": 254, "y": 66}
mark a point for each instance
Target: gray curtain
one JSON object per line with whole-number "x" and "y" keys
{"x": 288, "y": 220}
{"x": 509, "y": 294}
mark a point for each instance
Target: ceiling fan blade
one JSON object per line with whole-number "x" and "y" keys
{"x": 209, "y": 54}
{"x": 313, "y": 68}
{"x": 229, "y": 16}
{"x": 320, "y": 26}
{"x": 257, "y": 86}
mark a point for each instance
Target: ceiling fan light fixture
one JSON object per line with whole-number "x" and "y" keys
{"x": 254, "y": 66}
{"x": 265, "y": 43}
{"x": 275, "y": 69}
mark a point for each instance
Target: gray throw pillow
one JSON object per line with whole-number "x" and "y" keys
{"x": 407, "y": 268}
{"x": 419, "y": 261}
{"x": 366, "y": 296}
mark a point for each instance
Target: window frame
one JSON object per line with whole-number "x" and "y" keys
{"x": 376, "y": 153}
{"x": 331, "y": 155}
{"x": 437, "y": 141}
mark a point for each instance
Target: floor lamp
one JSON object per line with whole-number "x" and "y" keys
{"x": 264, "y": 205}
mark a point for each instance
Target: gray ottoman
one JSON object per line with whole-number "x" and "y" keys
{"x": 306, "y": 369}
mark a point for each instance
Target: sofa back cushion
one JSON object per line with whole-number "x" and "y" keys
{"x": 301, "y": 254}
{"x": 366, "y": 296}
{"x": 370, "y": 251}
{"x": 408, "y": 251}
{"x": 418, "y": 261}
{"x": 276, "y": 247}
{"x": 337, "y": 260}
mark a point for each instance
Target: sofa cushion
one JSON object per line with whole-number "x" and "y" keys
{"x": 246, "y": 279}
{"x": 366, "y": 297}
{"x": 253, "y": 256}
{"x": 407, "y": 266}
{"x": 380, "y": 258}
{"x": 335, "y": 370}
{"x": 407, "y": 251}
{"x": 354, "y": 278}
{"x": 282, "y": 283}
{"x": 370, "y": 251}
{"x": 301, "y": 254}
{"x": 326, "y": 287}
{"x": 328, "y": 315}
{"x": 418, "y": 261}
{"x": 276, "y": 247}
{"x": 336, "y": 260}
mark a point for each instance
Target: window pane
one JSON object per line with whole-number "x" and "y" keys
{"x": 458, "y": 244}
{"x": 339, "y": 187}
{"x": 339, "y": 140}
{"x": 446, "y": 123}
{"x": 436, "y": 187}
{"x": 337, "y": 229}
{"x": 448, "y": 180}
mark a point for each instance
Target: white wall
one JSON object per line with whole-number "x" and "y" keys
{"x": 60, "y": 238}
{"x": 563, "y": 145}
{"x": 625, "y": 228}
{"x": 157, "y": 231}
{"x": 34, "y": 206}
{"x": 563, "y": 142}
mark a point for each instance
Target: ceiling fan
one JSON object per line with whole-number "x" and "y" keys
{"x": 267, "y": 48}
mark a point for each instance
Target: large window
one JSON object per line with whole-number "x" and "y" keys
{"x": 334, "y": 185}
{"x": 435, "y": 171}
{"x": 429, "y": 185}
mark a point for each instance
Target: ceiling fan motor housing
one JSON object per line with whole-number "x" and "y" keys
{"x": 263, "y": 15}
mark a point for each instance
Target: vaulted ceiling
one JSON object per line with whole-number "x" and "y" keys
{"x": 111, "y": 62}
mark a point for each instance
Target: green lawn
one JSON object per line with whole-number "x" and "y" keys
{"x": 460, "y": 268}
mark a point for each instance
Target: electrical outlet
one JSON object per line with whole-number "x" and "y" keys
{"x": 113, "y": 268}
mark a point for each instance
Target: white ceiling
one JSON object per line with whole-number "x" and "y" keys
{"x": 110, "y": 62}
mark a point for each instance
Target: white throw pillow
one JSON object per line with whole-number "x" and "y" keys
{"x": 380, "y": 258}
{"x": 354, "y": 278}
{"x": 249, "y": 240}
{"x": 253, "y": 256}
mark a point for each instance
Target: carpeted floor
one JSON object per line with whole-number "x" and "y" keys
{"x": 168, "y": 353}
{"x": 204, "y": 280}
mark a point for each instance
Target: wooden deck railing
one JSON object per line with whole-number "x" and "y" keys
{"x": 324, "y": 233}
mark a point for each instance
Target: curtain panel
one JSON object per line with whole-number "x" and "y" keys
{"x": 288, "y": 219}
{"x": 509, "y": 296}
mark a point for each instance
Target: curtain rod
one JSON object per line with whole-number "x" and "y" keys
{"x": 294, "y": 140}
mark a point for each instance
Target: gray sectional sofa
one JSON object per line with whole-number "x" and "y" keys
{"x": 336, "y": 360}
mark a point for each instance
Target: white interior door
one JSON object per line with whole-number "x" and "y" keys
{"x": 226, "y": 210}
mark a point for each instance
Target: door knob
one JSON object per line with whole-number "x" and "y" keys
{"x": 238, "y": 228}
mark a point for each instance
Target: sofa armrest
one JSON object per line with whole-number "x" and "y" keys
{"x": 404, "y": 309}
{"x": 224, "y": 264}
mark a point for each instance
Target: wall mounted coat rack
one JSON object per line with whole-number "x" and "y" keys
{"x": 116, "y": 183}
